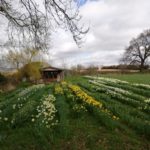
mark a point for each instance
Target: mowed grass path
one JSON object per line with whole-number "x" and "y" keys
{"x": 76, "y": 130}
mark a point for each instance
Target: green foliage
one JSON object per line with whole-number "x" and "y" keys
{"x": 127, "y": 110}
{"x": 63, "y": 116}
{"x": 24, "y": 114}
{"x": 31, "y": 71}
{"x": 76, "y": 128}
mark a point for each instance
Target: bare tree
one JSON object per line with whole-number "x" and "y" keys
{"x": 28, "y": 55}
{"x": 138, "y": 51}
{"x": 32, "y": 21}
{"x": 13, "y": 58}
{"x": 16, "y": 58}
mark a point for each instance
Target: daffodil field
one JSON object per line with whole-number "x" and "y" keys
{"x": 95, "y": 113}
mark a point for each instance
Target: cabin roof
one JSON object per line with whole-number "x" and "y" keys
{"x": 51, "y": 69}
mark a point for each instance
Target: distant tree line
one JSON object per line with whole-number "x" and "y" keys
{"x": 124, "y": 66}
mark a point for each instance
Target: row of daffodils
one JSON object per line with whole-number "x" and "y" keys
{"x": 47, "y": 111}
{"x": 122, "y": 94}
{"x": 30, "y": 89}
{"x": 90, "y": 100}
{"x": 75, "y": 93}
{"x": 129, "y": 101}
{"x": 29, "y": 105}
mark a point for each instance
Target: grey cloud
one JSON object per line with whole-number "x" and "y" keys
{"x": 113, "y": 23}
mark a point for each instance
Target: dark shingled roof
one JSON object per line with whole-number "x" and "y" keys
{"x": 51, "y": 69}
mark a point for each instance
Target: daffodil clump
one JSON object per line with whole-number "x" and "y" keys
{"x": 90, "y": 100}
{"x": 14, "y": 106}
{"x": 146, "y": 86}
{"x": 20, "y": 101}
{"x": 58, "y": 90}
{"x": 79, "y": 108}
{"x": 147, "y": 101}
{"x": 64, "y": 83}
{"x": 30, "y": 89}
{"x": 85, "y": 97}
{"x": 118, "y": 90}
{"x": 24, "y": 113}
{"x": 106, "y": 79}
{"x": 47, "y": 111}
{"x": 3, "y": 119}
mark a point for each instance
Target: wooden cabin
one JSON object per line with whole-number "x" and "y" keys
{"x": 52, "y": 74}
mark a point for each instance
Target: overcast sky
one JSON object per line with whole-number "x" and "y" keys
{"x": 113, "y": 23}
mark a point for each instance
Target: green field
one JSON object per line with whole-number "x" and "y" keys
{"x": 133, "y": 78}
{"x": 82, "y": 113}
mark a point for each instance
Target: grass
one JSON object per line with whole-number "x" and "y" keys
{"x": 133, "y": 78}
{"x": 79, "y": 128}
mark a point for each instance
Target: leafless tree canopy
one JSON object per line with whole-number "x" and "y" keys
{"x": 32, "y": 21}
{"x": 19, "y": 58}
{"x": 138, "y": 51}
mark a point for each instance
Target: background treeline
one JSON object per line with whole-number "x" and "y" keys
{"x": 133, "y": 67}
{"x": 95, "y": 70}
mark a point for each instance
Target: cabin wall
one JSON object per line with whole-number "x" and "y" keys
{"x": 60, "y": 76}
{"x": 49, "y": 76}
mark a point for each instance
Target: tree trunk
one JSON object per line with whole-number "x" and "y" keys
{"x": 142, "y": 65}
